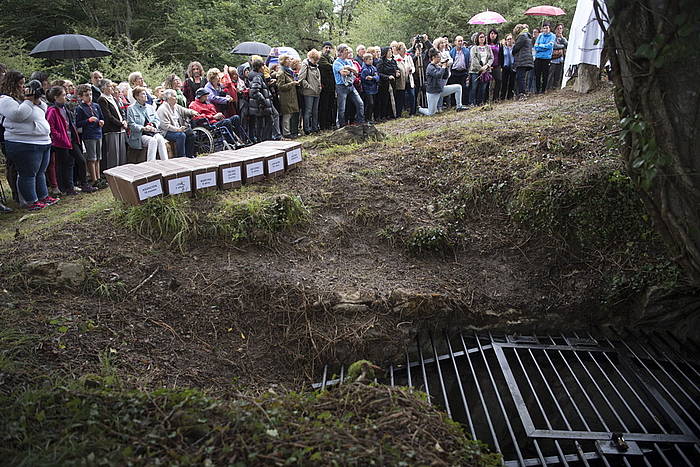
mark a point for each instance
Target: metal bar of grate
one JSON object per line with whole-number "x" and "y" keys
{"x": 460, "y": 386}
{"x": 481, "y": 395}
{"x": 562, "y": 400}
{"x": 500, "y": 401}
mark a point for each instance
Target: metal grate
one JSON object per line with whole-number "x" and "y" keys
{"x": 575, "y": 400}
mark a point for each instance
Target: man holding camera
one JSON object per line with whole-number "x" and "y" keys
{"x": 436, "y": 87}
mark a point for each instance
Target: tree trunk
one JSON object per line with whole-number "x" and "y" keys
{"x": 587, "y": 79}
{"x": 655, "y": 65}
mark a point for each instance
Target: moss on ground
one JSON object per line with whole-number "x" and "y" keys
{"x": 94, "y": 423}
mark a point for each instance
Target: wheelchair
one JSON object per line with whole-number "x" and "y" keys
{"x": 209, "y": 138}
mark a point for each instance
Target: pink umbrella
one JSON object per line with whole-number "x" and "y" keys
{"x": 545, "y": 10}
{"x": 487, "y": 17}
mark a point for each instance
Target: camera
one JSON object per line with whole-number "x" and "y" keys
{"x": 34, "y": 90}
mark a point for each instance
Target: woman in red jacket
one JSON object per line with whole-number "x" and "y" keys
{"x": 61, "y": 145}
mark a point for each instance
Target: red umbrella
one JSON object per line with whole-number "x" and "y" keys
{"x": 545, "y": 10}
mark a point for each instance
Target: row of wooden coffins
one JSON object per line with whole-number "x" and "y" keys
{"x": 135, "y": 183}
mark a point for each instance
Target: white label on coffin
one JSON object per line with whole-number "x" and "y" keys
{"x": 180, "y": 185}
{"x": 294, "y": 156}
{"x": 231, "y": 174}
{"x": 254, "y": 169}
{"x": 149, "y": 189}
{"x": 205, "y": 180}
{"x": 275, "y": 165}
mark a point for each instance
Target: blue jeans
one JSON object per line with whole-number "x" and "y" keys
{"x": 311, "y": 113}
{"x": 345, "y": 92}
{"x": 184, "y": 142}
{"x": 435, "y": 99}
{"x": 477, "y": 89}
{"x": 31, "y": 161}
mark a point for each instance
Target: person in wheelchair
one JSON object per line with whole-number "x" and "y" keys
{"x": 216, "y": 119}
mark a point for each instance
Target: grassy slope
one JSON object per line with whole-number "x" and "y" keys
{"x": 517, "y": 216}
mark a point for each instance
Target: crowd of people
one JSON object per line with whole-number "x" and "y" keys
{"x": 58, "y": 138}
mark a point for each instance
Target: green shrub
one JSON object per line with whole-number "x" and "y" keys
{"x": 257, "y": 219}
{"x": 428, "y": 240}
{"x": 591, "y": 209}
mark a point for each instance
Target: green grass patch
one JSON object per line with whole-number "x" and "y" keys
{"x": 256, "y": 219}
{"x": 69, "y": 210}
{"x": 178, "y": 221}
{"x": 355, "y": 424}
{"x": 593, "y": 208}
{"x": 428, "y": 240}
{"x": 161, "y": 219}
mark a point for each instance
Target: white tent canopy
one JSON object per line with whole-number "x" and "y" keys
{"x": 585, "y": 38}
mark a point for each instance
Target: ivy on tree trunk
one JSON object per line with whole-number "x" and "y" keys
{"x": 655, "y": 61}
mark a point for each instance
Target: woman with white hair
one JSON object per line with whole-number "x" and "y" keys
{"x": 173, "y": 124}
{"x": 217, "y": 95}
{"x": 136, "y": 80}
{"x": 114, "y": 129}
{"x": 286, "y": 84}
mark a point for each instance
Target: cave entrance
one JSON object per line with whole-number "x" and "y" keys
{"x": 562, "y": 400}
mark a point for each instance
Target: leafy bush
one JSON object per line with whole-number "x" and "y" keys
{"x": 428, "y": 240}
{"x": 14, "y": 54}
{"x": 256, "y": 219}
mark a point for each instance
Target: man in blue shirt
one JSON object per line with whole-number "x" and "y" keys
{"x": 459, "y": 72}
{"x": 544, "y": 45}
{"x": 344, "y": 72}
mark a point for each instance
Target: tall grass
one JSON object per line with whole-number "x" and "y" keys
{"x": 160, "y": 219}
{"x": 176, "y": 221}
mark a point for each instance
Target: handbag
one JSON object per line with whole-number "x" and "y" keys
{"x": 485, "y": 77}
{"x": 557, "y": 53}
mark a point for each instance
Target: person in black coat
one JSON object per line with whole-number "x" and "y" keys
{"x": 388, "y": 72}
{"x": 327, "y": 104}
{"x": 259, "y": 103}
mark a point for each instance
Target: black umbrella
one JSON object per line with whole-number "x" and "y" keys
{"x": 70, "y": 46}
{"x": 252, "y": 48}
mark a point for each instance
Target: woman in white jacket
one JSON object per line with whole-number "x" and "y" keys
{"x": 27, "y": 138}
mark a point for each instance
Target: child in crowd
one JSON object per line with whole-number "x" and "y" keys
{"x": 370, "y": 86}
{"x": 88, "y": 116}
{"x": 61, "y": 144}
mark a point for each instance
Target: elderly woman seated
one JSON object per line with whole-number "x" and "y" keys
{"x": 143, "y": 127}
{"x": 173, "y": 124}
